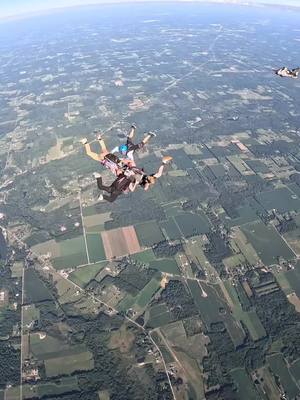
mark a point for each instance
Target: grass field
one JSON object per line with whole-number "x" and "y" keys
{"x": 168, "y": 265}
{"x": 34, "y": 288}
{"x": 214, "y": 309}
{"x": 170, "y": 229}
{"x": 68, "y": 364}
{"x": 47, "y": 390}
{"x": 245, "y": 387}
{"x": 83, "y": 275}
{"x": 279, "y": 368}
{"x": 148, "y": 291}
{"x": 245, "y": 247}
{"x": 281, "y": 199}
{"x": 267, "y": 383}
{"x": 293, "y": 239}
{"x": 267, "y": 242}
{"x": 30, "y": 313}
{"x": 250, "y": 318}
{"x": 42, "y": 347}
{"x": 290, "y": 280}
{"x": 95, "y": 247}
{"x": 149, "y": 233}
{"x": 192, "y": 224}
{"x": 234, "y": 261}
{"x": 17, "y": 269}
{"x": 158, "y": 315}
{"x": 144, "y": 256}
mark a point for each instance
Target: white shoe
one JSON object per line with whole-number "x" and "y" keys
{"x": 84, "y": 141}
{"x": 100, "y": 197}
{"x": 152, "y": 134}
{"x": 167, "y": 159}
{"x": 96, "y": 175}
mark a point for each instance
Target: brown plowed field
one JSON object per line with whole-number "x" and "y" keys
{"x": 120, "y": 242}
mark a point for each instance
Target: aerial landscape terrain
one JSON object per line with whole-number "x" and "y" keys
{"x": 188, "y": 291}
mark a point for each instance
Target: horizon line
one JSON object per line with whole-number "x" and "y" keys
{"x": 260, "y": 3}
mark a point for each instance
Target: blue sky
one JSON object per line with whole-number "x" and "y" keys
{"x": 16, "y": 7}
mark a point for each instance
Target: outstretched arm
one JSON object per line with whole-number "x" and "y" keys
{"x": 160, "y": 171}
{"x": 92, "y": 154}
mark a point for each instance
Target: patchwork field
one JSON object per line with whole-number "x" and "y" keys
{"x": 64, "y": 254}
{"x": 245, "y": 387}
{"x": 158, "y": 315}
{"x": 35, "y": 289}
{"x": 69, "y": 363}
{"x": 267, "y": 242}
{"x": 192, "y": 224}
{"x": 213, "y": 309}
{"x": 83, "y": 275}
{"x": 281, "y": 199}
{"x": 149, "y": 233}
{"x": 120, "y": 242}
{"x": 279, "y": 368}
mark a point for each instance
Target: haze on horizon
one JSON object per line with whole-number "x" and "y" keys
{"x": 12, "y": 8}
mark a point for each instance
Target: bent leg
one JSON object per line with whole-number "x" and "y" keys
{"x": 100, "y": 185}
{"x": 131, "y": 132}
{"x": 113, "y": 196}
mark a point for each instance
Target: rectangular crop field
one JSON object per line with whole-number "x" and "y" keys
{"x": 149, "y": 233}
{"x": 267, "y": 242}
{"x": 95, "y": 247}
{"x": 279, "y": 368}
{"x": 68, "y": 364}
{"x": 83, "y": 275}
{"x": 246, "y": 389}
{"x": 192, "y": 224}
{"x": 120, "y": 242}
{"x": 35, "y": 289}
{"x": 281, "y": 199}
{"x": 159, "y": 315}
{"x": 170, "y": 229}
{"x": 168, "y": 265}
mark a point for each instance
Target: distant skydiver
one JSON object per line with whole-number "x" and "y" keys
{"x": 127, "y": 149}
{"x": 284, "y": 72}
{"x": 106, "y": 158}
{"x": 129, "y": 180}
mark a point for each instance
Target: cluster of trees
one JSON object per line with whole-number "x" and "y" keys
{"x": 164, "y": 249}
{"x": 178, "y": 300}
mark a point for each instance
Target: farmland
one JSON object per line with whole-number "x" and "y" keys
{"x": 267, "y": 242}
{"x": 68, "y": 364}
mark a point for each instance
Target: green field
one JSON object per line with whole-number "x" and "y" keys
{"x": 158, "y": 315}
{"x": 148, "y": 291}
{"x": 245, "y": 387}
{"x": 30, "y": 314}
{"x": 192, "y": 224}
{"x": 267, "y": 242}
{"x": 125, "y": 303}
{"x": 281, "y": 199}
{"x": 149, "y": 233}
{"x": 168, "y": 265}
{"x": 246, "y": 214}
{"x": 249, "y": 318}
{"x": 213, "y": 310}
{"x": 69, "y": 363}
{"x": 17, "y": 269}
{"x": 279, "y": 368}
{"x": 245, "y": 247}
{"x": 170, "y": 229}
{"x": 71, "y": 261}
{"x": 83, "y": 275}
{"x": 293, "y": 239}
{"x": 289, "y": 281}
{"x": 34, "y": 288}
{"x": 144, "y": 256}
{"x": 95, "y": 247}
{"x": 42, "y": 348}
{"x": 47, "y": 390}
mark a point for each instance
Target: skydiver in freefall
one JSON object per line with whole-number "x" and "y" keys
{"x": 129, "y": 180}
{"x": 128, "y": 149}
{"x": 284, "y": 72}
{"x": 105, "y": 157}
